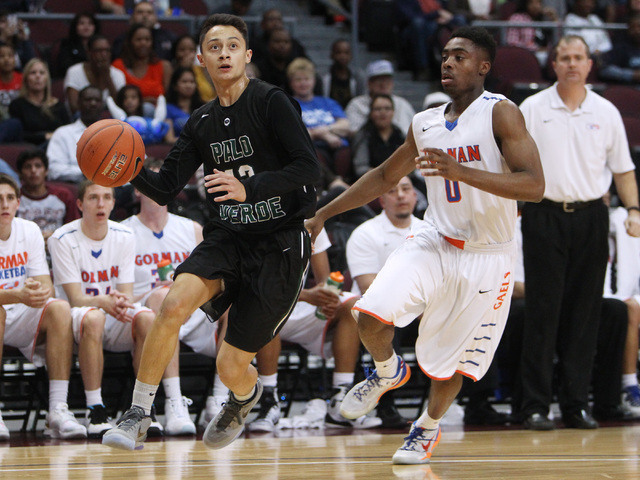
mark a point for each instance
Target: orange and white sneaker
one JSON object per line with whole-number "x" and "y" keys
{"x": 417, "y": 447}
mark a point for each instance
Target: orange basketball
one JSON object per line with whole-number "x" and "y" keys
{"x": 110, "y": 153}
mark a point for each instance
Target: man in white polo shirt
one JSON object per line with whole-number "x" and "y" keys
{"x": 582, "y": 144}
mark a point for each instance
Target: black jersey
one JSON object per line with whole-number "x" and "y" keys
{"x": 262, "y": 140}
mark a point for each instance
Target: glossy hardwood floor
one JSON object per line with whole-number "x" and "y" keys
{"x": 563, "y": 454}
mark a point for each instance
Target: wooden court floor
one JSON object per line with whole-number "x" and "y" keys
{"x": 563, "y": 454}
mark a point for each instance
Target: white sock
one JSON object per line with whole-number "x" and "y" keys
{"x": 426, "y": 422}
{"x": 389, "y": 367}
{"x": 144, "y": 395}
{"x": 94, "y": 397}
{"x": 244, "y": 398}
{"x": 269, "y": 380}
{"x": 219, "y": 388}
{"x": 629, "y": 380}
{"x": 172, "y": 387}
{"x": 57, "y": 392}
{"x": 343, "y": 378}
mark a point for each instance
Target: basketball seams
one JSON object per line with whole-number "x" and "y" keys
{"x": 108, "y": 156}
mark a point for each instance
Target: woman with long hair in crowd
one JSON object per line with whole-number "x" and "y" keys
{"x": 37, "y": 109}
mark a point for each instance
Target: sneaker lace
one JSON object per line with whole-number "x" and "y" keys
{"x": 63, "y": 410}
{"x": 415, "y": 437}
{"x": 373, "y": 381}
{"x": 180, "y": 406}
{"x": 131, "y": 418}
{"x": 230, "y": 412}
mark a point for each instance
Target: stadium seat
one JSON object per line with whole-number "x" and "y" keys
{"x": 625, "y": 98}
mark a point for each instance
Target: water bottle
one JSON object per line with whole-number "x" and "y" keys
{"x": 334, "y": 283}
{"x": 165, "y": 270}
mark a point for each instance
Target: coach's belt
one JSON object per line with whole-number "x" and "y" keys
{"x": 570, "y": 207}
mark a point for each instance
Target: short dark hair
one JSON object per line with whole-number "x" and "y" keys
{"x": 480, "y": 37}
{"x": 569, "y": 39}
{"x": 94, "y": 38}
{"x": 8, "y": 180}
{"x": 224, "y": 19}
{"x": 82, "y": 188}
{"x": 30, "y": 154}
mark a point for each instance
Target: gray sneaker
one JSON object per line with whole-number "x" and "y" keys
{"x": 229, "y": 423}
{"x": 130, "y": 431}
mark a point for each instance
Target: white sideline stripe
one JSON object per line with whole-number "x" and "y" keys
{"x": 335, "y": 462}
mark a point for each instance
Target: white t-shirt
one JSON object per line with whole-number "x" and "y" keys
{"x": 22, "y": 255}
{"x": 61, "y": 151}
{"x": 458, "y": 210}
{"x": 371, "y": 243}
{"x": 76, "y": 78}
{"x": 99, "y": 265}
{"x": 175, "y": 242}
{"x": 579, "y": 150}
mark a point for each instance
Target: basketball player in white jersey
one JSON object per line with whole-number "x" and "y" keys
{"x": 163, "y": 235}
{"x": 30, "y": 319}
{"x": 93, "y": 260}
{"x": 477, "y": 159}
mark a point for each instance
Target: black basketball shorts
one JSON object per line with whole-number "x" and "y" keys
{"x": 262, "y": 278}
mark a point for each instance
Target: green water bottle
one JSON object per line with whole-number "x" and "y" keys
{"x": 334, "y": 283}
{"x": 165, "y": 270}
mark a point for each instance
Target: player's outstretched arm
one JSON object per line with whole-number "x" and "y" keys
{"x": 370, "y": 186}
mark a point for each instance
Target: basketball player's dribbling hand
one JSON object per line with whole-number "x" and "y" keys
{"x": 436, "y": 163}
{"x": 226, "y": 183}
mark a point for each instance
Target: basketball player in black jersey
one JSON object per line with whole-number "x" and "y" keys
{"x": 259, "y": 166}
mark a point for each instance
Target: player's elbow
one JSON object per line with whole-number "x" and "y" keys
{"x": 536, "y": 192}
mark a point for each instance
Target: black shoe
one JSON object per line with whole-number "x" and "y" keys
{"x": 484, "y": 414}
{"x": 390, "y": 417}
{"x": 610, "y": 413}
{"x": 155, "y": 429}
{"x": 579, "y": 419}
{"x": 538, "y": 421}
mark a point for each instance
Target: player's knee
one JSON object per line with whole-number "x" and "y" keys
{"x": 173, "y": 310}
{"x": 142, "y": 324}
{"x": 93, "y": 326}
{"x": 58, "y": 314}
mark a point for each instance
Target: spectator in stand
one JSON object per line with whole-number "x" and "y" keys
{"x": 182, "y": 98}
{"x": 379, "y": 81}
{"x": 627, "y": 11}
{"x": 49, "y": 206}
{"x": 39, "y": 112}
{"x": 533, "y": 39}
{"x": 273, "y": 67}
{"x": 324, "y": 118}
{"x": 10, "y": 79}
{"x": 582, "y": 15}
{"x": 15, "y": 32}
{"x": 74, "y": 48}
{"x": 240, "y": 8}
{"x": 31, "y": 320}
{"x": 342, "y": 82}
{"x": 96, "y": 70}
{"x": 622, "y": 63}
{"x": 418, "y": 22}
{"x": 144, "y": 13}
{"x": 141, "y": 65}
{"x": 271, "y": 21}
{"x": 378, "y": 138}
{"x": 61, "y": 151}
{"x": 185, "y": 49}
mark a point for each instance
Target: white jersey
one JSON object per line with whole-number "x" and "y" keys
{"x": 458, "y": 210}
{"x": 99, "y": 265}
{"x": 623, "y": 281}
{"x": 22, "y": 255}
{"x": 175, "y": 242}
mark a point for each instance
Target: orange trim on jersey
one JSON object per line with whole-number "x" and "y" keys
{"x": 455, "y": 242}
{"x": 373, "y": 315}
{"x": 35, "y": 340}
{"x": 432, "y": 377}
